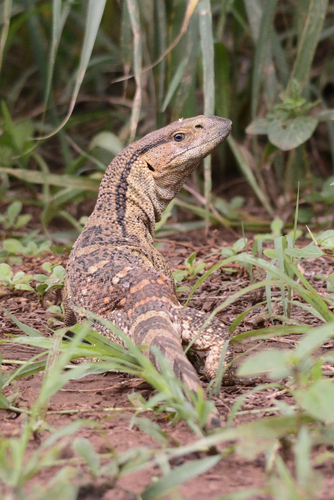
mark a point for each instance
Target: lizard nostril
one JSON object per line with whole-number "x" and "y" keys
{"x": 198, "y": 125}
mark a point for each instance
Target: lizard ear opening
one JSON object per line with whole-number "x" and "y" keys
{"x": 150, "y": 167}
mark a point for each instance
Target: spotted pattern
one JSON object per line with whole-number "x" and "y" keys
{"x": 114, "y": 269}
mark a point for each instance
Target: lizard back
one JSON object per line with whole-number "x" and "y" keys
{"x": 114, "y": 269}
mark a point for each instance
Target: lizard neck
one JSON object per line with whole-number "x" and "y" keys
{"x": 128, "y": 199}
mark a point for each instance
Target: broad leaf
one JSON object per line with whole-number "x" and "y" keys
{"x": 288, "y": 134}
{"x": 318, "y": 400}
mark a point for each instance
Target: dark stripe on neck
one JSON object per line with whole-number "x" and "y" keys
{"x": 122, "y": 186}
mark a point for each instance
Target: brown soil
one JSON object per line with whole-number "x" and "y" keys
{"x": 90, "y": 397}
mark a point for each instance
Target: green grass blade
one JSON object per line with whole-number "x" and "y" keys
{"x": 281, "y": 59}
{"x": 183, "y": 103}
{"x": 174, "y": 83}
{"x": 307, "y": 292}
{"x": 59, "y": 17}
{"x": 308, "y": 41}
{"x": 36, "y": 39}
{"x": 28, "y": 330}
{"x": 137, "y": 63}
{"x": 176, "y": 477}
{"x": 207, "y": 50}
{"x": 93, "y": 19}
{"x": 245, "y": 167}
{"x": 6, "y": 13}
{"x": 222, "y": 76}
{"x": 272, "y": 331}
{"x": 36, "y": 177}
{"x": 262, "y": 58}
{"x": 161, "y": 36}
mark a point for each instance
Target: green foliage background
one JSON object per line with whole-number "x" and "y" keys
{"x": 79, "y": 80}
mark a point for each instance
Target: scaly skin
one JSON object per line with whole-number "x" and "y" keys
{"x": 114, "y": 269}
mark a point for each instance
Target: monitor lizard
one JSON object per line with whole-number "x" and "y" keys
{"x": 114, "y": 269}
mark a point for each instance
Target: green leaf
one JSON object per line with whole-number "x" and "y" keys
{"x": 47, "y": 266}
{"x": 288, "y": 134}
{"x": 108, "y": 141}
{"x": 309, "y": 252}
{"x": 327, "y": 114}
{"x": 14, "y": 209}
{"x": 308, "y": 41}
{"x": 314, "y": 339}
{"x": 178, "y": 476}
{"x": 12, "y": 245}
{"x": 85, "y": 448}
{"x": 261, "y": 17}
{"x": 40, "y": 277}
{"x": 6, "y": 272}
{"x": 59, "y": 272}
{"x": 31, "y": 332}
{"x": 190, "y": 260}
{"x": 4, "y": 403}
{"x": 22, "y": 221}
{"x": 318, "y": 400}
{"x": 151, "y": 428}
{"x": 256, "y": 437}
{"x": 227, "y": 252}
{"x": 37, "y": 177}
{"x": 249, "y": 493}
{"x": 258, "y": 127}
{"x": 23, "y": 132}
{"x": 28, "y": 369}
{"x": 222, "y": 79}
{"x": 174, "y": 83}
{"x": 270, "y": 253}
{"x": 303, "y": 448}
{"x": 240, "y": 244}
{"x": 326, "y": 240}
{"x": 241, "y": 158}
{"x": 199, "y": 267}
{"x": 22, "y": 286}
{"x": 275, "y": 363}
{"x": 20, "y": 277}
{"x": 276, "y": 227}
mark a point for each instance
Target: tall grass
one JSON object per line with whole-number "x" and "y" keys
{"x": 141, "y": 64}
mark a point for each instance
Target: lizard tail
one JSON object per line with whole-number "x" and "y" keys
{"x": 155, "y": 329}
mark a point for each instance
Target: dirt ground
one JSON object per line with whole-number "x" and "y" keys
{"x": 89, "y": 397}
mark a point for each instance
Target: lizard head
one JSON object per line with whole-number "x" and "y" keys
{"x": 173, "y": 152}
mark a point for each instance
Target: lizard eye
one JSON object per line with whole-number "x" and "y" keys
{"x": 179, "y": 137}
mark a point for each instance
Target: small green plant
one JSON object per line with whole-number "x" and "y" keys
{"x": 21, "y": 281}
{"x": 178, "y": 276}
{"x": 59, "y": 310}
{"x": 289, "y": 124}
{"x": 14, "y": 246}
{"x": 54, "y": 279}
{"x": 18, "y": 281}
{"x": 12, "y": 219}
{"x": 328, "y": 279}
{"x": 238, "y": 246}
{"x": 191, "y": 271}
{"x": 276, "y": 227}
